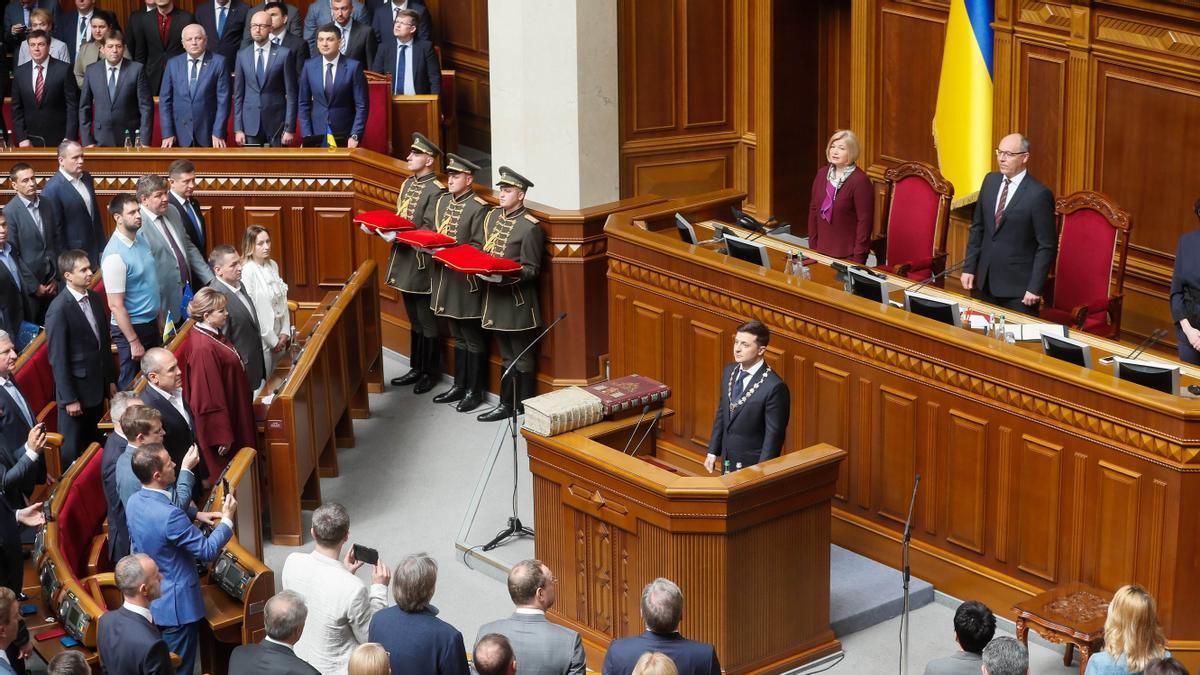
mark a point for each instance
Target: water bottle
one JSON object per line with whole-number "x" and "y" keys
{"x": 1001, "y": 333}
{"x": 789, "y": 268}
{"x": 804, "y": 271}
{"x": 128, "y": 140}
{"x": 727, "y": 467}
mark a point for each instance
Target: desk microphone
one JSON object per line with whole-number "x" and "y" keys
{"x": 645, "y": 411}
{"x": 922, "y": 284}
{"x": 653, "y": 423}
{"x": 1156, "y": 335}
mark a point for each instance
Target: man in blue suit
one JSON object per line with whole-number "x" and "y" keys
{"x": 223, "y": 21}
{"x": 662, "y": 610}
{"x": 73, "y": 193}
{"x": 264, "y": 89}
{"x": 163, "y": 531}
{"x": 116, "y": 102}
{"x": 320, "y": 13}
{"x": 193, "y": 104}
{"x": 127, "y": 638}
{"x": 414, "y": 71}
{"x": 333, "y": 94}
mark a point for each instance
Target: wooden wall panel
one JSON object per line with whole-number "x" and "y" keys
{"x": 652, "y": 67}
{"x": 966, "y": 480}
{"x": 1041, "y": 109}
{"x": 335, "y": 260}
{"x": 1039, "y": 507}
{"x": 907, "y": 84}
{"x": 1116, "y": 526}
{"x": 648, "y": 327}
{"x": 830, "y": 417}
{"x": 709, "y": 346}
{"x": 895, "y": 453}
{"x": 707, "y": 94}
{"x": 461, "y": 28}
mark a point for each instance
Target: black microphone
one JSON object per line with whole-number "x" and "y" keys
{"x": 911, "y": 505}
{"x": 1155, "y": 335}
{"x": 531, "y": 345}
{"x": 645, "y": 411}
{"x": 922, "y": 284}
{"x": 653, "y": 423}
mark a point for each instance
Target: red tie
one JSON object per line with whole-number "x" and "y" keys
{"x": 39, "y": 85}
{"x": 1003, "y": 200}
{"x": 164, "y": 26}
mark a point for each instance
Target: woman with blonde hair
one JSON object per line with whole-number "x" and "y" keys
{"x": 655, "y": 663}
{"x": 369, "y": 658}
{"x": 1132, "y": 636}
{"x": 268, "y": 292}
{"x": 841, "y": 211}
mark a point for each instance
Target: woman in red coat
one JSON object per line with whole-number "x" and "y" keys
{"x": 842, "y": 210}
{"x": 215, "y": 385}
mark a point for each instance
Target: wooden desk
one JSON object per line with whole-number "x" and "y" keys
{"x": 1037, "y": 473}
{"x": 1072, "y": 615}
{"x": 318, "y": 397}
{"x": 743, "y": 547}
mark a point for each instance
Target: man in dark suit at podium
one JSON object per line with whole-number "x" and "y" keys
{"x": 1013, "y": 239}
{"x": 752, "y": 416}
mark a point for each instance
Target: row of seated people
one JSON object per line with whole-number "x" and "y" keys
{"x": 266, "y": 88}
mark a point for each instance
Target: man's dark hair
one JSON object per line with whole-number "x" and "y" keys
{"x": 67, "y": 260}
{"x": 276, "y": 4}
{"x": 493, "y": 655}
{"x": 524, "y": 580}
{"x": 762, "y": 336}
{"x": 18, "y": 168}
{"x": 70, "y": 662}
{"x": 330, "y": 524}
{"x": 149, "y": 184}
{"x": 974, "y": 625}
{"x": 180, "y": 167}
{"x": 147, "y": 461}
{"x": 138, "y": 420}
{"x": 1165, "y": 666}
{"x": 219, "y": 253}
{"x": 410, "y": 14}
{"x": 118, "y": 203}
{"x": 113, "y": 34}
{"x": 329, "y": 28}
{"x": 40, "y": 34}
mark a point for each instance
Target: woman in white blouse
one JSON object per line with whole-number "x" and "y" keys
{"x": 260, "y": 276}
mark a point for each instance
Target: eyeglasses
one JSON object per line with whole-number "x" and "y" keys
{"x": 406, "y": 23}
{"x": 260, "y": 25}
{"x": 1004, "y": 154}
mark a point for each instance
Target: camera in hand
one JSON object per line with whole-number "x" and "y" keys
{"x": 368, "y": 556}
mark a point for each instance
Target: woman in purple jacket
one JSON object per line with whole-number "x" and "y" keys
{"x": 842, "y": 209}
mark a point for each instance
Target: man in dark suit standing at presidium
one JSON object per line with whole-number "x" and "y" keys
{"x": 154, "y": 37}
{"x": 80, "y": 355}
{"x": 181, "y": 176}
{"x": 412, "y": 63}
{"x": 662, "y": 611}
{"x": 223, "y": 22}
{"x": 358, "y": 41}
{"x": 281, "y": 36}
{"x": 12, "y": 278}
{"x": 320, "y": 12}
{"x": 72, "y": 192}
{"x": 127, "y": 639}
{"x": 264, "y": 89}
{"x": 193, "y": 103}
{"x": 333, "y": 95}
{"x": 45, "y": 99}
{"x": 116, "y": 101}
{"x": 284, "y": 616}
{"x": 33, "y": 225}
{"x": 291, "y": 20}
{"x": 1013, "y": 239}
{"x": 752, "y": 415}
{"x": 383, "y": 14}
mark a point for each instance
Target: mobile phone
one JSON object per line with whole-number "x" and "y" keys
{"x": 365, "y": 555}
{"x": 225, "y": 485}
{"x": 69, "y": 641}
{"x": 26, "y": 610}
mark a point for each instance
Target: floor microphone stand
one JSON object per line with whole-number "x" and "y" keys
{"x": 515, "y": 529}
{"x": 904, "y": 546}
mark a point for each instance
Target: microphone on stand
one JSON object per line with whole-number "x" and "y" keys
{"x": 653, "y": 423}
{"x": 645, "y": 411}
{"x": 922, "y": 284}
{"x": 1155, "y": 335}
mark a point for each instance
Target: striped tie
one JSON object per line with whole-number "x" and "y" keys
{"x": 39, "y": 85}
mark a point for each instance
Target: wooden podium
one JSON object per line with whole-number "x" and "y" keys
{"x": 750, "y": 550}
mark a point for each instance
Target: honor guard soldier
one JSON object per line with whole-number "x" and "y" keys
{"x": 456, "y": 296}
{"x": 408, "y": 270}
{"x": 510, "y": 305}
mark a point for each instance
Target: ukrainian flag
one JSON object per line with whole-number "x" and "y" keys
{"x": 962, "y": 123}
{"x": 332, "y": 142}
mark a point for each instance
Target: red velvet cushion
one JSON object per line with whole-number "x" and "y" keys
{"x": 383, "y": 220}
{"x": 1085, "y": 254}
{"x": 425, "y": 238}
{"x": 470, "y": 260}
{"x": 36, "y": 382}
{"x": 82, "y": 515}
{"x": 912, "y": 221}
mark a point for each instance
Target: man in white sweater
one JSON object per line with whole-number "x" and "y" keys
{"x": 340, "y": 605}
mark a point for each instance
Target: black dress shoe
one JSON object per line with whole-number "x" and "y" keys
{"x": 470, "y": 401}
{"x": 500, "y": 412}
{"x": 451, "y": 395}
{"x": 425, "y": 384}
{"x": 406, "y": 379}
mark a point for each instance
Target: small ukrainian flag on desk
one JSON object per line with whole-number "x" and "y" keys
{"x": 329, "y": 139}
{"x": 962, "y": 123}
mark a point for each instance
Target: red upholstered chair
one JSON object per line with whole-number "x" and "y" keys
{"x": 82, "y": 514}
{"x": 1087, "y": 287}
{"x": 913, "y": 239}
{"x": 36, "y": 381}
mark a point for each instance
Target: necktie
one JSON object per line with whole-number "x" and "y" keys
{"x": 249, "y": 304}
{"x": 328, "y": 82}
{"x": 221, "y": 20}
{"x": 35, "y": 212}
{"x": 343, "y": 40}
{"x": 738, "y": 385}
{"x": 185, "y": 274}
{"x": 191, "y": 213}
{"x": 19, "y": 400}
{"x": 164, "y": 27}
{"x": 401, "y": 58}
{"x": 39, "y": 84}
{"x": 396, "y": 14}
{"x": 193, "y": 73}
{"x": 1003, "y": 200}
{"x": 277, "y": 41}
{"x": 91, "y": 317}
{"x": 83, "y": 30}
{"x": 112, "y": 83}
{"x": 259, "y": 67}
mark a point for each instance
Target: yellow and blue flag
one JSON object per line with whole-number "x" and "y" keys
{"x": 329, "y": 139}
{"x": 962, "y": 122}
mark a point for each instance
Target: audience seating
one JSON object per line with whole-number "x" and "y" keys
{"x": 912, "y": 242}
{"x": 1086, "y": 289}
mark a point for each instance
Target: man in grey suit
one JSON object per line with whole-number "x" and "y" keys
{"x": 176, "y": 259}
{"x": 242, "y": 327}
{"x": 974, "y": 625}
{"x": 493, "y": 655}
{"x": 115, "y": 102}
{"x": 33, "y": 229}
{"x": 541, "y": 647}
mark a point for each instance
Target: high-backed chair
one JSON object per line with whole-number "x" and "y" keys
{"x": 912, "y": 242}
{"x": 1087, "y": 287}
